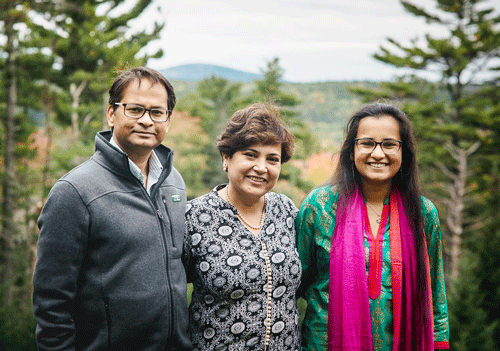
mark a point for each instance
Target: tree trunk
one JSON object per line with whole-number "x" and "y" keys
{"x": 456, "y": 201}
{"x": 48, "y": 100}
{"x": 104, "y": 109}
{"x": 8, "y": 184}
{"x": 76, "y": 92}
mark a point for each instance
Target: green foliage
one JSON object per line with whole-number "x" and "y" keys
{"x": 69, "y": 155}
{"x": 329, "y": 102}
{"x": 446, "y": 114}
{"x": 292, "y": 184}
{"x": 324, "y": 107}
{"x": 470, "y": 326}
{"x": 269, "y": 89}
{"x": 475, "y": 298}
{"x": 17, "y": 329}
{"x": 485, "y": 246}
{"x": 89, "y": 41}
{"x": 215, "y": 101}
{"x": 218, "y": 100}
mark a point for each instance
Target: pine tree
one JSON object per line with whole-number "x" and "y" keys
{"x": 18, "y": 55}
{"x": 21, "y": 62}
{"x": 270, "y": 89}
{"x": 215, "y": 100}
{"x": 93, "y": 39}
{"x": 442, "y": 113}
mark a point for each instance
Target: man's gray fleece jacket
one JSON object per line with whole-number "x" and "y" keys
{"x": 109, "y": 274}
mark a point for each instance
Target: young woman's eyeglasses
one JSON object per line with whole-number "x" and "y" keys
{"x": 157, "y": 114}
{"x": 367, "y": 145}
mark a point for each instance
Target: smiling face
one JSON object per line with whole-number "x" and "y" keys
{"x": 253, "y": 171}
{"x": 377, "y": 168}
{"x": 139, "y": 136}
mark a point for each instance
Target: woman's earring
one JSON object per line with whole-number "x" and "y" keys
{"x": 224, "y": 167}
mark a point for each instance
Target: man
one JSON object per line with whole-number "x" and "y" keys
{"x": 109, "y": 274}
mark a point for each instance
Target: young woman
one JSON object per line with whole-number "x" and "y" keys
{"x": 370, "y": 246}
{"x": 240, "y": 249}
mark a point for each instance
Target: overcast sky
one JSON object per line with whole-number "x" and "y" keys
{"x": 315, "y": 40}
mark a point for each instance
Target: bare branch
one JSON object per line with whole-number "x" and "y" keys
{"x": 473, "y": 148}
{"x": 446, "y": 171}
{"x": 87, "y": 119}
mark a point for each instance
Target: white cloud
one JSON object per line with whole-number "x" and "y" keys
{"x": 314, "y": 39}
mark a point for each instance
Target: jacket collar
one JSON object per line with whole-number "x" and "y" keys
{"x": 117, "y": 161}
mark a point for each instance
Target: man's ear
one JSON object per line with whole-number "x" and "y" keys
{"x": 110, "y": 116}
{"x": 168, "y": 124}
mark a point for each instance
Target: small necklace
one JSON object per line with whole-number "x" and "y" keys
{"x": 379, "y": 216}
{"x": 242, "y": 218}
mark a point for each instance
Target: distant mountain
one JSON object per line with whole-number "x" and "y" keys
{"x": 197, "y": 72}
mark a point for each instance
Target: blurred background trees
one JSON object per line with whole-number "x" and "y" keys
{"x": 216, "y": 99}
{"x": 58, "y": 59}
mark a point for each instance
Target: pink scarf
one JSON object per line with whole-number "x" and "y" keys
{"x": 349, "y": 321}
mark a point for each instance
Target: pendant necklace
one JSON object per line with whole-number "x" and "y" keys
{"x": 242, "y": 218}
{"x": 379, "y": 216}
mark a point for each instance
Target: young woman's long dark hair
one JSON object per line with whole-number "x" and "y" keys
{"x": 347, "y": 178}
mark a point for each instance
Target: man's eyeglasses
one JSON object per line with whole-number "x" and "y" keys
{"x": 367, "y": 145}
{"x": 157, "y": 114}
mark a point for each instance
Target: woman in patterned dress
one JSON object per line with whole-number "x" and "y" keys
{"x": 370, "y": 246}
{"x": 240, "y": 249}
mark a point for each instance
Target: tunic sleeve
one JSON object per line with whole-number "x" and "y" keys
{"x": 315, "y": 224}
{"x": 432, "y": 230}
{"x": 305, "y": 244}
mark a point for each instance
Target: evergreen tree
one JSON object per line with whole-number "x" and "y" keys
{"x": 21, "y": 64}
{"x": 215, "y": 101}
{"x": 442, "y": 112}
{"x": 91, "y": 40}
{"x": 270, "y": 89}
{"x": 9, "y": 16}
{"x": 20, "y": 54}
{"x": 485, "y": 241}
{"x": 471, "y": 326}
{"x": 474, "y": 300}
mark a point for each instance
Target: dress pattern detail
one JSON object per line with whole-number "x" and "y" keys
{"x": 244, "y": 285}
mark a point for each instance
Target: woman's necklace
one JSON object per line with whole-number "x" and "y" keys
{"x": 242, "y": 218}
{"x": 379, "y": 216}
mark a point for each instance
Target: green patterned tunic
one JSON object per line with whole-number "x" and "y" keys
{"x": 315, "y": 224}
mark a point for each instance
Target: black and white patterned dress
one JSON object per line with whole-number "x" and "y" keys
{"x": 244, "y": 284}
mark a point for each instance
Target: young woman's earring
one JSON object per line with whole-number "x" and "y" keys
{"x": 224, "y": 167}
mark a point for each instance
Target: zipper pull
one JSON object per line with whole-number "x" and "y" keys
{"x": 159, "y": 214}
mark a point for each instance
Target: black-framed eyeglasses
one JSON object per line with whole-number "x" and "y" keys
{"x": 157, "y": 114}
{"x": 367, "y": 145}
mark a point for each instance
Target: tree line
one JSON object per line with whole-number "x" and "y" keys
{"x": 58, "y": 58}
